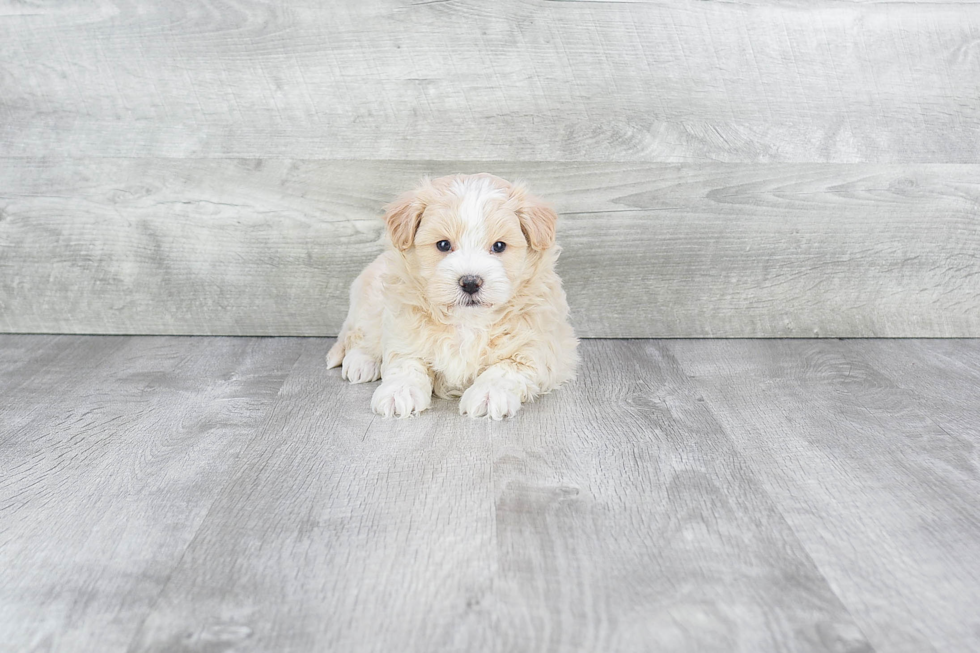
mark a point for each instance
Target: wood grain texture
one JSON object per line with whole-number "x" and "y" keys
{"x": 202, "y": 494}
{"x": 626, "y": 520}
{"x": 741, "y": 81}
{"x": 108, "y": 466}
{"x": 944, "y": 377}
{"x": 22, "y": 358}
{"x": 37, "y": 388}
{"x": 341, "y": 532}
{"x": 878, "y": 484}
{"x": 269, "y": 247}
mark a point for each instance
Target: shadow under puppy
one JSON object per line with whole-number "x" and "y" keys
{"x": 464, "y": 302}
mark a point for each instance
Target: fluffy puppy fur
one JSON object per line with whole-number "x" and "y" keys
{"x": 464, "y": 302}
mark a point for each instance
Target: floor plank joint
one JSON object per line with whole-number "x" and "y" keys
{"x": 192, "y": 494}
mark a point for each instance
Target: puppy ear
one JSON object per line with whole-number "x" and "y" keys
{"x": 538, "y": 220}
{"x": 402, "y": 218}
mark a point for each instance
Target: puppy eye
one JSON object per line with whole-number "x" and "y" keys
{"x": 444, "y": 246}
{"x": 499, "y": 246}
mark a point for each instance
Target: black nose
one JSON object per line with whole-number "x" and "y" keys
{"x": 470, "y": 284}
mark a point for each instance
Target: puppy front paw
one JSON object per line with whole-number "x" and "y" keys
{"x": 360, "y": 368}
{"x": 399, "y": 399}
{"x": 489, "y": 400}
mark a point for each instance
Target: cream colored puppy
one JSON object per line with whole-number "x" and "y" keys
{"x": 464, "y": 302}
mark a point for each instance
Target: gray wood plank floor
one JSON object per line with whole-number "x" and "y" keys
{"x": 219, "y": 494}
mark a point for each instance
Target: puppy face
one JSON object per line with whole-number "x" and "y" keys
{"x": 469, "y": 239}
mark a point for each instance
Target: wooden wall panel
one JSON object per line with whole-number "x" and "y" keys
{"x": 742, "y": 168}
{"x": 269, "y": 247}
{"x": 738, "y": 81}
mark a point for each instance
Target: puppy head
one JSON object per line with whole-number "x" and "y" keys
{"x": 470, "y": 238}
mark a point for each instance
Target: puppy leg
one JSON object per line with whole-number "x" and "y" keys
{"x": 499, "y": 391}
{"x": 358, "y": 347}
{"x": 336, "y": 354}
{"x": 406, "y": 389}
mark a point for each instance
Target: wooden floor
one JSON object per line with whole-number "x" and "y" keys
{"x": 219, "y": 494}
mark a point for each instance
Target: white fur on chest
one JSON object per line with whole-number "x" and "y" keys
{"x": 459, "y": 357}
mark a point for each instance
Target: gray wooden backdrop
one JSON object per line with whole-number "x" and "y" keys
{"x": 740, "y": 168}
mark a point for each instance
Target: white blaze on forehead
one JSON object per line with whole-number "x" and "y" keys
{"x": 474, "y": 194}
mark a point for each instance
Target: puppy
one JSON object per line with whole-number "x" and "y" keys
{"x": 464, "y": 302}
